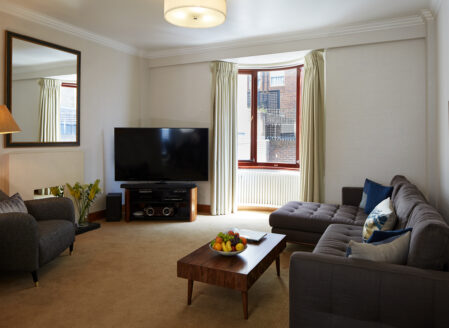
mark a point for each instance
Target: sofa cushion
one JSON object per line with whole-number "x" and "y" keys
{"x": 382, "y": 217}
{"x": 336, "y": 238}
{"x": 407, "y": 197}
{"x": 373, "y": 194}
{"x": 13, "y": 204}
{"x": 397, "y": 182}
{"x": 315, "y": 217}
{"x": 54, "y": 237}
{"x": 429, "y": 244}
{"x": 392, "y": 250}
{"x": 380, "y": 235}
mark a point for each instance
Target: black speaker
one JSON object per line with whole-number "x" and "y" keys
{"x": 114, "y": 207}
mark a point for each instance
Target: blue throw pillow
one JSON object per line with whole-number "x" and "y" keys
{"x": 383, "y": 236}
{"x": 375, "y": 193}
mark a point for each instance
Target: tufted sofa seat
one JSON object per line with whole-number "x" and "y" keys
{"x": 312, "y": 219}
{"x": 305, "y": 222}
{"x": 336, "y": 239}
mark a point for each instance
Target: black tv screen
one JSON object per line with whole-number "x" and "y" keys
{"x": 161, "y": 154}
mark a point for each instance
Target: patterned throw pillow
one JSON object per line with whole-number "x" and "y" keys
{"x": 13, "y": 204}
{"x": 381, "y": 218}
{"x": 392, "y": 250}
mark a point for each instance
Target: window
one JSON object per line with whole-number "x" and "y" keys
{"x": 67, "y": 116}
{"x": 277, "y": 78}
{"x": 268, "y": 118}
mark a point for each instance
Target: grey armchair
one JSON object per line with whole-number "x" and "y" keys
{"x": 30, "y": 240}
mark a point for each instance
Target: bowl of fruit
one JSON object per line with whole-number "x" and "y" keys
{"x": 228, "y": 244}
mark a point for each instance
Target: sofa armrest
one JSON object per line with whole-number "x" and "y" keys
{"x": 332, "y": 291}
{"x": 55, "y": 208}
{"x": 19, "y": 242}
{"x": 351, "y": 195}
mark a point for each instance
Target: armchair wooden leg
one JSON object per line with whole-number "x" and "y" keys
{"x": 71, "y": 249}
{"x": 35, "y": 278}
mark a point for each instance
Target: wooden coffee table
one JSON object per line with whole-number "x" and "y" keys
{"x": 238, "y": 272}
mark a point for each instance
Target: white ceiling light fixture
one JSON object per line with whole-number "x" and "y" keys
{"x": 195, "y": 13}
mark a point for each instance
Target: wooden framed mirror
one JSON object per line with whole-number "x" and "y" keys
{"x": 42, "y": 92}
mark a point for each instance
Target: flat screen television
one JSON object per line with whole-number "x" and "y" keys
{"x": 161, "y": 154}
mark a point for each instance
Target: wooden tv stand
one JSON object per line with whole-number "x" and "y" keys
{"x": 160, "y": 201}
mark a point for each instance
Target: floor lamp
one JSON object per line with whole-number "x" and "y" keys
{"x": 7, "y": 123}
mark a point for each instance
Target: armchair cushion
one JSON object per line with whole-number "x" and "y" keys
{"x": 19, "y": 241}
{"x": 57, "y": 208}
{"x": 13, "y": 204}
{"x": 55, "y": 236}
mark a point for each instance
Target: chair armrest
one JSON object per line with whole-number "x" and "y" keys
{"x": 56, "y": 208}
{"x": 351, "y": 195}
{"x": 19, "y": 242}
{"x": 325, "y": 290}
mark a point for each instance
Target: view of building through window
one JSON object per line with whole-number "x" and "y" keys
{"x": 67, "y": 119}
{"x": 276, "y": 112}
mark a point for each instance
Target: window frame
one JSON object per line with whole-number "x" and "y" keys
{"x": 72, "y": 85}
{"x": 253, "y": 163}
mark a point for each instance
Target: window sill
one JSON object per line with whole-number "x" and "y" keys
{"x": 261, "y": 167}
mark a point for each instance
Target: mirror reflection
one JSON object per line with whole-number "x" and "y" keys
{"x": 43, "y": 93}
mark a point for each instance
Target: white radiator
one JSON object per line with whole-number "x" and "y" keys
{"x": 267, "y": 187}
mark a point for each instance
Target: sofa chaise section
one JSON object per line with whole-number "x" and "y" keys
{"x": 327, "y": 289}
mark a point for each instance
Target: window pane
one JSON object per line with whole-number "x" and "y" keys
{"x": 276, "y": 116}
{"x": 244, "y": 117}
{"x": 67, "y": 114}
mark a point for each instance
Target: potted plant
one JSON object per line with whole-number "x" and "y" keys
{"x": 84, "y": 195}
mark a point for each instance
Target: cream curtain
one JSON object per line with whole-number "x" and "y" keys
{"x": 312, "y": 129}
{"x": 49, "y": 110}
{"x": 224, "y": 198}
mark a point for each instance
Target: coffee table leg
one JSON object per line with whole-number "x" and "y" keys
{"x": 245, "y": 304}
{"x": 189, "y": 291}
{"x": 278, "y": 266}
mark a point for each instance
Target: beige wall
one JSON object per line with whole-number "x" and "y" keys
{"x": 181, "y": 96}
{"x": 443, "y": 108}
{"x": 375, "y": 115}
{"x": 110, "y": 96}
{"x": 375, "y": 120}
{"x": 26, "y": 109}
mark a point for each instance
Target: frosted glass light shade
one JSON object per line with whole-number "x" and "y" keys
{"x": 195, "y": 13}
{"x": 7, "y": 123}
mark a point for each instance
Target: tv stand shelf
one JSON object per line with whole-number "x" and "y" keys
{"x": 160, "y": 200}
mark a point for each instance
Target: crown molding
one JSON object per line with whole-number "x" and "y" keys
{"x": 435, "y": 6}
{"x": 401, "y": 22}
{"x": 427, "y": 15}
{"x": 45, "y": 20}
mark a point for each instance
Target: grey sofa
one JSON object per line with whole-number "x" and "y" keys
{"x": 30, "y": 240}
{"x": 329, "y": 290}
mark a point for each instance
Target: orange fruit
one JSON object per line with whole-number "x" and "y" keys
{"x": 243, "y": 239}
{"x": 219, "y": 240}
{"x": 217, "y": 246}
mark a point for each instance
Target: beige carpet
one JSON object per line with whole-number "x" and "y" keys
{"x": 124, "y": 275}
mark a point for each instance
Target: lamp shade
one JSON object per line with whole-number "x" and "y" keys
{"x": 195, "y": 13}
{"x": 7, "y": 123}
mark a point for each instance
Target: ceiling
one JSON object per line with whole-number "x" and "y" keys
{"x": 30, "y": 54}
{"x": 140, "y": 23}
